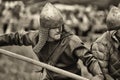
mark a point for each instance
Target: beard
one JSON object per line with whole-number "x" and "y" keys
{"x": 55, "y": 37}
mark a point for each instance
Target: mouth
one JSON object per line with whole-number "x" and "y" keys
{"x": 59, "y": 33}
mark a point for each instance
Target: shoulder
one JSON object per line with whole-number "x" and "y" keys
{"x": 75, "y": 39}
{"x": 75, "y": 42}
{"x": 104, "y": 39}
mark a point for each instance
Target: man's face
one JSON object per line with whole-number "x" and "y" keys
{"x": 55, "y": 34}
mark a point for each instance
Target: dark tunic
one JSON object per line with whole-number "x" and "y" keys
{"x": 66, "y": 60}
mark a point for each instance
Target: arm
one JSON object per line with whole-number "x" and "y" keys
{"x": 18, "y": 38}
{"x": 86, "y": 61}
{"x": 89, "y": 61}
{"x": 78, "y": 50}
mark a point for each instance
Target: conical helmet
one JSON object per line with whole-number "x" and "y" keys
{"x": 113, "y": 18}
{"x": 50, "y": 17}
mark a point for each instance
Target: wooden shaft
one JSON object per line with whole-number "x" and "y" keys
{"x": 41, "y": 64}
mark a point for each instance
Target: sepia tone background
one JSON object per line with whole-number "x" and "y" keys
{"x": 85, "y": 18}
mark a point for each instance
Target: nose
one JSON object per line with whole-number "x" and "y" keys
{"x": 57, "y": 30}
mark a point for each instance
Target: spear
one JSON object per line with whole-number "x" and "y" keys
{"x": 41, "y": 64}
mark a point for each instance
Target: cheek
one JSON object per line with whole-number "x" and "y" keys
{"x": 51, "y": 33}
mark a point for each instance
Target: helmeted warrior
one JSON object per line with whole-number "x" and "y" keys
{"x": 55, "y": 46}
{"x": 107, "y": 47}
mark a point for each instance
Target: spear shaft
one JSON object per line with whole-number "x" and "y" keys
{"x": 41, "y": 64}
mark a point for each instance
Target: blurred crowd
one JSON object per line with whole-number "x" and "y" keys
{"x": 88, "y": 22}
{"x": 84, "y": 21}
{"x": 15, "y": 16}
